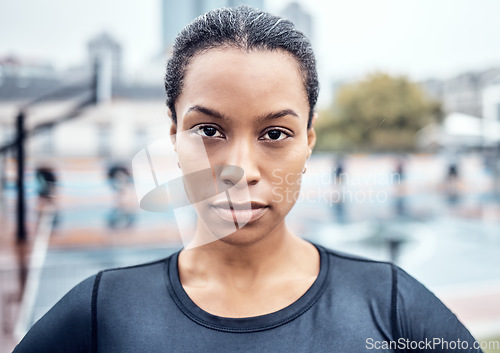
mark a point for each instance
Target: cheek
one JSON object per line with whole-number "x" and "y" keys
{"x": 285, "y": 190}
{"x": 286, "y": 178}
{"x": 285, "y": 173}
{"x": 198, "y": 178}
{"x": 289, "y": 160}
{"x": 191, "y": 152}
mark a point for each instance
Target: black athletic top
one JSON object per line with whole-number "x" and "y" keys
{"x": 355, "y": 305}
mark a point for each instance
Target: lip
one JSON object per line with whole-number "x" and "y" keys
{"x": 240, "y": 213}
{"x": 239, "y": 205}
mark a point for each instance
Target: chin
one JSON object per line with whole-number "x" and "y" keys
{"x": 252, "y": 233}
{"x": 246, "y": 236}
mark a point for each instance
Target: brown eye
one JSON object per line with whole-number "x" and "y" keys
{"x": 208, "y": 131}
{"x": 275, "y": 135}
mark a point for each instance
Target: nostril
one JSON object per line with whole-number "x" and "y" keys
{"x": 231, "y": 174}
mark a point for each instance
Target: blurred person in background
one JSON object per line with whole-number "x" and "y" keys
{"x": 46, "y": 182}
{"x": 123, "y": 213}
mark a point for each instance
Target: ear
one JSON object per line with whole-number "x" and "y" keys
{"x": 173, "y": 129}
{"x": 311, "y": 136}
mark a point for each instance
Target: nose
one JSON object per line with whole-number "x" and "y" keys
{"x": 240, "y": 163}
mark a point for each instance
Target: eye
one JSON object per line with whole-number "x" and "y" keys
{"x": 208, "y": 131}
{"x": 275, "y": 135}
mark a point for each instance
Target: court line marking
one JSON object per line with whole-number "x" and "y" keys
{"x": 37, "y": 260}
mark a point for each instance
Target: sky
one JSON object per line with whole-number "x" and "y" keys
{"x": 418, "y": 38}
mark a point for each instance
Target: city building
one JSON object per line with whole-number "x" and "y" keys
{"x": 457, "y": 132}
{"x": 21, "y": 79}
{"x": 472, "y": 103}
{"x": 104, "y": 47}
{"x": 462, "y": 93}
{"x": 301, "y": 18}
{"x": 176, "y": 14}
{"x": 130, "y": 114}
{"x": 491, "y": 112}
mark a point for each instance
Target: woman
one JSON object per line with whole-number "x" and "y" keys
{"x": 244, "y": 83}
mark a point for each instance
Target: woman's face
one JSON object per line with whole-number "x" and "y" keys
{"x": 250, "y": 110}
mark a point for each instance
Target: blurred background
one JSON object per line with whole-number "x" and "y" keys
{"x": 407, "y": 166}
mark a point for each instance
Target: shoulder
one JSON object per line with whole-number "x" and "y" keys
{"x": 129, "y": 287}
{"x": 71, "y": 324}
{"x": 356, "y": 269}
{"x": 362, "y": 286}
{"x": 385, "y": 277}
{"x": 414, "y": 312}
{"x": 136, "y": 272}
{"x": 66, "y": 326}
{"x": 411, "y": 309}
{"x": 125, "y": 282}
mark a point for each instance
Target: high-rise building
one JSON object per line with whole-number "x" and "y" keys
{"x": 176, "y": 14}
{"x": 300, "y": 17}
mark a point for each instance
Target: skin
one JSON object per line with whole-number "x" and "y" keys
{"x": 262, "y": 267}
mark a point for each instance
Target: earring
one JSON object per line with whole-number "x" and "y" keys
{"x": 304, "y": 171}
{"x": 178, "y": 165}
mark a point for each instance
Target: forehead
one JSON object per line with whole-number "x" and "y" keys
{"x": 234, "y": 80}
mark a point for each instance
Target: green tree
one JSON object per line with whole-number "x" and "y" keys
{"x": 378, "y": 113}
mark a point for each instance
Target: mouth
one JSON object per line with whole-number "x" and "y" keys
{"x": 240, "y": 213}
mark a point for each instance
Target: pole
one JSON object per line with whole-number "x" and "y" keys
{"x": 95, "y": 83}
{"x": 21, "y": 234}
{"x": 3, "y": 178}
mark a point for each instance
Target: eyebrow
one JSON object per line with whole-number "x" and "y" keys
{"x": 215, "y": 114}
{"x": 276, "y": 115}
{"x": 207, "y": 111}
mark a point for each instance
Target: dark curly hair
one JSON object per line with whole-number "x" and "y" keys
{"x": 245, "y": 28}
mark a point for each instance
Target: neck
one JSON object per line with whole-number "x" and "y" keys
{"x": 276, "y": 255}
